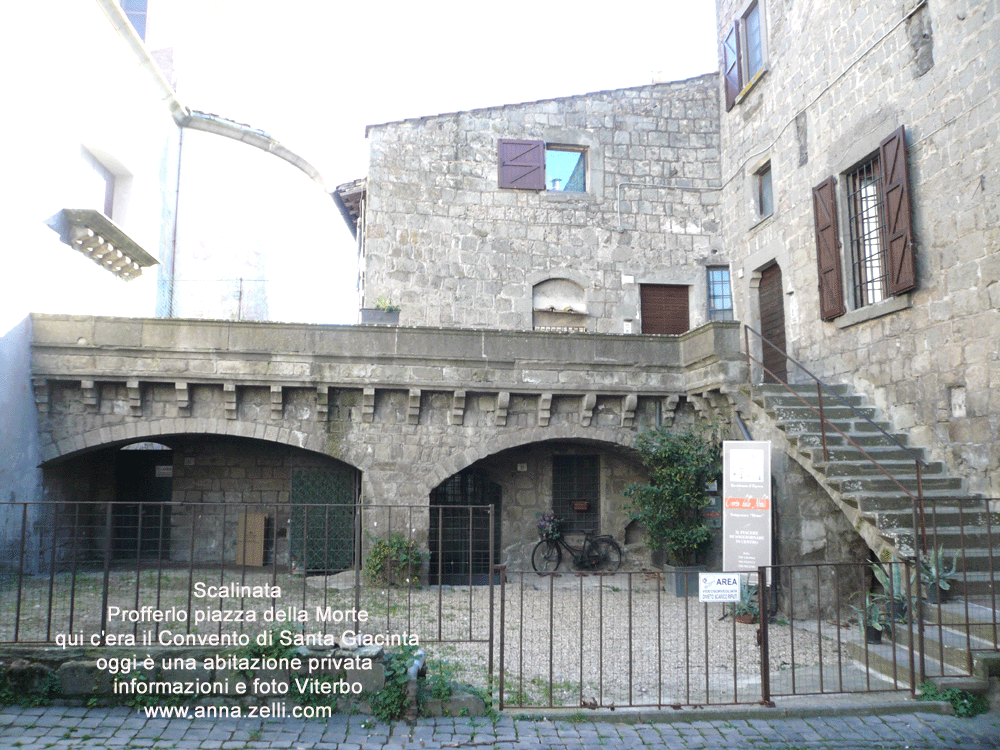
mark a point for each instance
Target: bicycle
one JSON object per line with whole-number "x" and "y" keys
{"x": 600, "y": 553}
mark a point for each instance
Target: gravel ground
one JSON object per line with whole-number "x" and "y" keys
{"x": 624, "y": 639}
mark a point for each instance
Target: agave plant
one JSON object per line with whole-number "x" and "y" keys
{"x": 936, "y": 574}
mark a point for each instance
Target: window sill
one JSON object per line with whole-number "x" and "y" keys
{"x": 760, "y": 220}
{"x": 745, "y": 92}
{"x": 564, "y": 196}
{"x": 871, "y": 312}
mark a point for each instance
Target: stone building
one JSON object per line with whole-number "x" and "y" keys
{"x": 860, "y": 214}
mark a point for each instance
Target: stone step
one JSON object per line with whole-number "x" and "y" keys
{"x": 881, "y": 483}
{"x": 881, "y": 453}
{"x": 939, "y": 505}
{"x": 983, "y": 621}
{"x": 941, "y": 643}
{"x": 770, "y": 389}
{"x": 798, "y": 399}
{"x": 836, "y": 414}
{"x": 867, "y": 440}
{"x": 863, "y": 467}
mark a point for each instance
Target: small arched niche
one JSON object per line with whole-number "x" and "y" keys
{"x": 559, "y": 305}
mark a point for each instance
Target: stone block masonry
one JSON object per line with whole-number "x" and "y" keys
{"x": 444, "y": 241}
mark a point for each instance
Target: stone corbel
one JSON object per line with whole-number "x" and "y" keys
{"x": 544, "y": 409}
{"x": 629, "y": 403}
{"x": 42, "y": 395}
{"x": 587, "y": 404}
{"x": 368, "y": 405}
{"x": 91, "y": 395}
{"x": 457, "y": 414}
{"x": 503, "y": 404}
{"x": 134, "y": 397}
{"x": 413, "y": 407}
{"x": 668, "y": 409}
{"x": 182, "y": 396}
{"x": 277, "y": 403}
{"x": 229, "y": 399}
{"x": 322, "y": 403}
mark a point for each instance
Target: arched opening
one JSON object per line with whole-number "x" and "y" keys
{"x": 559, "y": 305}
{"x": 140, "y": 516}
{"x": 459, "y": 533}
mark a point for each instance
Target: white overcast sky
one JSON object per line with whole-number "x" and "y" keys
{"x": 314, "y": 73}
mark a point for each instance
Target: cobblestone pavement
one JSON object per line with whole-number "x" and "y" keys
{"x": 66, "y": 728}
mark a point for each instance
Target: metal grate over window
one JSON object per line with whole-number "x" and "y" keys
{"x": 576, "y": 492}
{"x": 866, "y": 221}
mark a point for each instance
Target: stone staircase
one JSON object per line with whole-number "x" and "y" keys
{"x": 872, "y": 501}
{"x": 960, "y": 638}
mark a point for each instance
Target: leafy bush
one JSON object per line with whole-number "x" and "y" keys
{"x": 394, "y": 561}
{"x": 966, "y": 704}
{"x": 680, "y": 465}
{"x": 389, "y": 703}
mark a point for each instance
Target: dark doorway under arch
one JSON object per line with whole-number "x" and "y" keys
{"x": 459, "y": 534}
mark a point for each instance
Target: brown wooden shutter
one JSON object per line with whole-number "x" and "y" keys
{"x": 900, "y": 260}
{"x": 831, "y": 290}
{"x": 664, "y": 308}
{"x": 522, "y": 164}
{"x": 731, "y": 65}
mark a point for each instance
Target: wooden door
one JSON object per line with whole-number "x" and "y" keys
{"x": 250, "y": 539}
{"x": 664, "y": 308}
{"x": 772, "y": 324}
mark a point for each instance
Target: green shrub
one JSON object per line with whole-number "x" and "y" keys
{"x": 394, "y": 561}
{"x": 389, "y": 703}
{"x": 966, "y": 704}
{"x": 680, "y": 466}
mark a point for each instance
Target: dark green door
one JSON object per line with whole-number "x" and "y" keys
{"x": 322, "y": 519}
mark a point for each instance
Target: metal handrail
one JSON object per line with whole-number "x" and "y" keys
{"x": 917, "y": 499}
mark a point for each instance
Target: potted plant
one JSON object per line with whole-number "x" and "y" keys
{"x": 747, "y": 609}
{"x": 872, "y": 618}
{"x": 892, "y": 587}
{"x": 384, "y": 313}
{"x": 936, "y": 576}
{"x": 680, "y": 465}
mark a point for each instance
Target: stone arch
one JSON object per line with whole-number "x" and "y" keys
{"x": 618, "y": 437}
{"x": 147, "y": 429}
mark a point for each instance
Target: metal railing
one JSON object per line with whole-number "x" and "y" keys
{"x": 80, "y": 571}
{"x": 917, "y": 499}
{"x": 72, "y": 572}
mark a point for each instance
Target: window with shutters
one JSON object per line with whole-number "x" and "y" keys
{"x": 536, "y": 165}
{"x": 576, "y": 492}
{"x": 874, "y": 210}
{"x": 744, "y": 52}
{"x": 663, "y": 308}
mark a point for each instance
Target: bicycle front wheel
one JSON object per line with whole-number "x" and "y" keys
{"x": 546, "y": 556}
{"x": 607, "y": 555}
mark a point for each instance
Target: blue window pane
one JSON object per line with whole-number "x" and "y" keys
{"x": 565, "y": 170}
{"x": 755, "y": 51}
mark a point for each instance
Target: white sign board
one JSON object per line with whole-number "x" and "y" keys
{"x": 746, "y": 504}
{"x": 719, "y": 587}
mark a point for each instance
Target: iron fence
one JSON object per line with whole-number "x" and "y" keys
{"x": 635, "y": 638}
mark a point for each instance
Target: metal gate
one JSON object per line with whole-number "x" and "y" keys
{"x": 460, "y": 529}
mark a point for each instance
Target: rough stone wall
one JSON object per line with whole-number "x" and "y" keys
{"x": 840, "y": 78}
{"x": 444, "y": 242}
